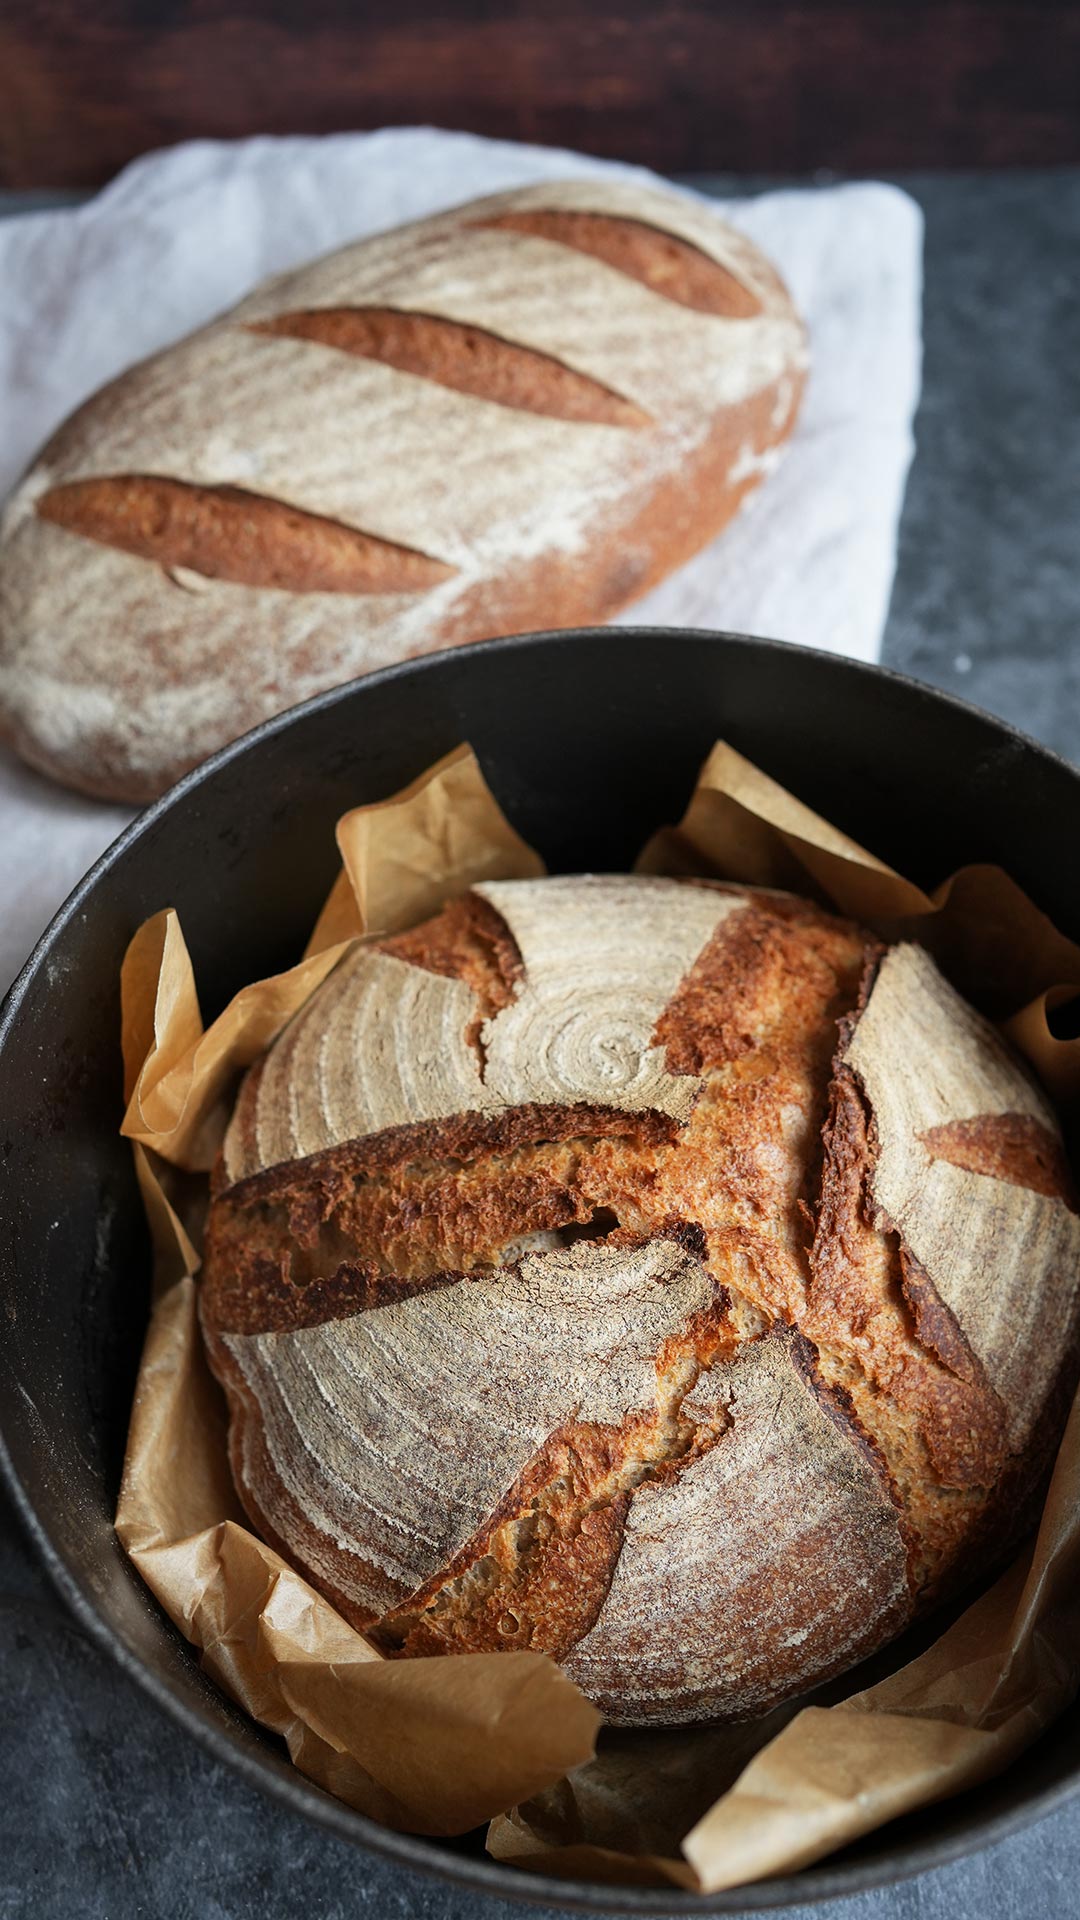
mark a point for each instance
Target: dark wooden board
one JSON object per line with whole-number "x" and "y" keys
{"x": 752, "y": 85}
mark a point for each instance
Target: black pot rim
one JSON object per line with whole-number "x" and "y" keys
{"x": 481, "y": 1873}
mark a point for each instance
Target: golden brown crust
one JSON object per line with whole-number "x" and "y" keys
{"x": 1006, "y": 1146}
{"x": 537, "y": 1575}
{"x": 720, "y": 1009}
{"x": 465, "y": 1137}
{"x": 824, "y": 1384}
{"x": 757, "y": 1016}
{"x": 468, "y": 941}
{"x": 229, "y": 533}
{"x": 469, "y": 359}
{"x": 376, "y": 1219}
{"x": 663, "y": 262}
{"x": 936, "y": 1328}
{"x": 859, "y": 1317}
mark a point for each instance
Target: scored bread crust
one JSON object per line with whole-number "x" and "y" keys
{"x": 520, "y": 413}
{"x": 660, "y": 1274}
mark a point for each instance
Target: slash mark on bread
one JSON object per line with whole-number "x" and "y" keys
{"x": 1006, "y": 1146}
{"x": 667, "y": 265}
{"x": 469, "y": 359}
{"x": 552, "y": 1544}
{"x": 229, "y": 533}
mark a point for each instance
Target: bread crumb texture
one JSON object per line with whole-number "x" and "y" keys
{"x": 662, "y": 1275}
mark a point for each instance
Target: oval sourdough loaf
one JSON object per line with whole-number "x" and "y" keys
{"x": 659, "y": 1274}
{"x": 521, "y": 413}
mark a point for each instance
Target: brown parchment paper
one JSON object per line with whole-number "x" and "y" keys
{"x": 437, "y": 1745}
{"x": 432, "y": 1746}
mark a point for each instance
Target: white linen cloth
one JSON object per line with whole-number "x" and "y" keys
{"x": 182, "y": 234}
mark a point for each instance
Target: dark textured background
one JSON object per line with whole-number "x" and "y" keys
{"x": 106, "y": 1811}
{"x": 750, "y": 85}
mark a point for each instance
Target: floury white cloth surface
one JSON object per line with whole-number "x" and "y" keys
{"x": 183, "y": 234}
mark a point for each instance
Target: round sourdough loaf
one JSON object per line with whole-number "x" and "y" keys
{"x": 659, "y": 1274}
{"x": 520, "y": 413}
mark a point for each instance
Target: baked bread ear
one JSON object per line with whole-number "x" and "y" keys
{"x": 663, "y": 1275}
{"x": 522, "y": 413}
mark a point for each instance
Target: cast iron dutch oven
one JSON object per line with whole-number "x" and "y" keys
{"x": 589, "y": 740}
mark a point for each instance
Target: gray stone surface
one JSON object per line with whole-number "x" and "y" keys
{"x": 106, "y": 1811}
{"x": 987, "y": 595}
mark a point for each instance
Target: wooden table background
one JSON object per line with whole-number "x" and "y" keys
{"x": 742, "y": 85}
